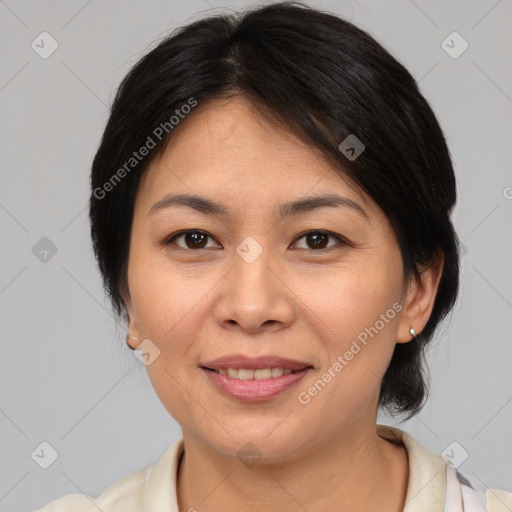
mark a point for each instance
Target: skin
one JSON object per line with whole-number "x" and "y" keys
{"x": 294, "y": 301}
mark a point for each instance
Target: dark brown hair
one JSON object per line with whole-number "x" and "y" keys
{"x": 324, "y": 79}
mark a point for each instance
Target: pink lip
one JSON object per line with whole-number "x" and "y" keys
{"x": 253, "y": 390}
{"x": 255, "y": 363}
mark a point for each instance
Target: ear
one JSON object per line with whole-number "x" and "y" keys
{"x": 419, "y": 300}
{"x": 132, "y": 331}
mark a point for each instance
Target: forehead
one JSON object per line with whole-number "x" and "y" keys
{"x": 229, "y": 149}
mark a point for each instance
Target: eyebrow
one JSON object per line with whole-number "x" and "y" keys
{"x": 297, "y": 207}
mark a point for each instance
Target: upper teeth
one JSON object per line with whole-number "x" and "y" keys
{"x": 259, "y": 374}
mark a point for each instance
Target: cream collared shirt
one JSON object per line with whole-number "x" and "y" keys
{"x": 153, "y": 488}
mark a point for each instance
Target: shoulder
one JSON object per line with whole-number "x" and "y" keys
{"x": 498, "y": 500}
{"x": 433, "y": 480}
{"x": 139, "y": 491}
{"x": 126, "y": 492}
{"x": 475, "y": 496}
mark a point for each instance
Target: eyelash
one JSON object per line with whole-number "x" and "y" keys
{"x": 169, "y": 240}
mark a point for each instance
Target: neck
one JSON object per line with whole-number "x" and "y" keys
{"x": 356, "y": 470}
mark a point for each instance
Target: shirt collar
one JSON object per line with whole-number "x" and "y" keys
{"x": 427, "y": 473}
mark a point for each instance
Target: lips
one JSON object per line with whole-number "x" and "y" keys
{"x": 253, "y": 379}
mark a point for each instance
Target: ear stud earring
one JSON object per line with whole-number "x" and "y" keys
{"x": 412, "y": 332}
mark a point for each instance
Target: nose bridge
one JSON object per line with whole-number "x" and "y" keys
{"x": 251, "y": 273}
{"x": 253, "y": 296}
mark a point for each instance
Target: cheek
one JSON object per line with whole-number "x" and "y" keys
{"x": 164, "y": 307}
{"x": 350, "y": 302}
{"x": 358, "y": 318}
{"x": 358, "y": 313}
{"x": 162, "y": 297}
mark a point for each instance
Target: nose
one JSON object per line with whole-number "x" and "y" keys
{"x": 253, "y": 296}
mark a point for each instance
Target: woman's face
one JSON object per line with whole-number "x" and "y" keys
{"x": 320, "y": 286}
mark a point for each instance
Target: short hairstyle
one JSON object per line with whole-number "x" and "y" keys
{"x": 323, "y": 79}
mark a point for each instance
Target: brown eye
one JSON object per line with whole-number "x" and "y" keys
{"x": 318, "y": 240}
{"x": 192, "y": 239}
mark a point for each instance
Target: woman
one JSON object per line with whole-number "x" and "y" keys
{"x": 270, "y": 210}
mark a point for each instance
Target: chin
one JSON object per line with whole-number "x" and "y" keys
{"x": 262, "y": 442}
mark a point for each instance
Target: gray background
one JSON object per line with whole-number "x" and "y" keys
{"x": 66, "y": 376}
